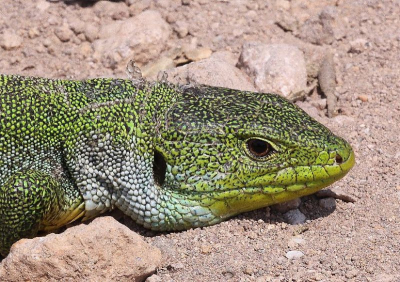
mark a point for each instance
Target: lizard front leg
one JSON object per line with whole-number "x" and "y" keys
{"x": 32, "y": 200}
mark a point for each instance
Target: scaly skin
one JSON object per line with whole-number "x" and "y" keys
{"x": 170, "y": 157}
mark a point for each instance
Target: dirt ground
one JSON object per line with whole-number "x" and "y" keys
{"x": 357, "y": 241}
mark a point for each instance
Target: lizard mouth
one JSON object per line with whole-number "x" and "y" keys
{"x": 230, "y": 202}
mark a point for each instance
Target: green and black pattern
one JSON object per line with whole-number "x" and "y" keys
{"x": 171, "y": 157}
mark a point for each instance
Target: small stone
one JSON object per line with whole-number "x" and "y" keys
{"x": 42, "y": 5}
{"x": 77, "y": 26}
{"x": 294, "y": 217}
{"x": 358, "y": 46}
{"x": 177, "y": 266}
{"x": 351, "y": 273}
{"x": 91, "y": 32}
{"x": 363, "y": 98}
{"x": 206, "y": 249}
{"x": 198, "y": 54}
{"x": 283, "y": 4}
{"x": 320, "y": 104}
{"x": 154, "y": 68}
{"x": 9, "y": 40}
{"x": 85, "y": 49}
{"x": 265, "y": 278}
{"x": 181, "y": 28}
{"x": 64, "y": 33}
{"x": 295, "y": 241}
{"x": 228, "y": 273}
{"x": 33, "y": 33}
{"x": 154, "y": 278}
{"x": 287, "y": 206}
{"x": 294, "y": 254}
{"x": 248, "y": 270}
{"x": 327, "y": 203}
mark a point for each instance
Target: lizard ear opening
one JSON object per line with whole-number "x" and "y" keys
{"x": 159, "y": 168}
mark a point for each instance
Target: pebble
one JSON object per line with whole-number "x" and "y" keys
{"x": 91, "y": 32}
{"x": 198, "y": 54}
{"x": 181, "y": 28}
{"x": 294, "y": 217}
{"x": 351, "y": 273}
{"x": 294, "y": 254}
{"x": 327, "y": 203}
{"x": 358, "y": 46}
{"x": 363, "y": 98}
{"x": 206, "y": 249}
{"x": 228, "y": 273}
{"x": 294, "y": 241}
{"x": 154, "y": 278}
{"x": 287, "y": 206}
{"x": 9, "y": 40}
{"x": 64, "y": 33}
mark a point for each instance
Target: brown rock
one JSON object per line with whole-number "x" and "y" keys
{"x": 198, "y": 54}
{"x": 140, "y": 38}
{"x": 103, "y": 250}
{"x": 9, "y": 40}
{"x": 64, "y": 33}
{"x": 223, "y": 74}
{"x": 363, "y": 98}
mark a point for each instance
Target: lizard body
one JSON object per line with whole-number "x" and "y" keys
{"x": 171, "y": 157}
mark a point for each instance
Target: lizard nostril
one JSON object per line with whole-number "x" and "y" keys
{"x": 338, "y": 158}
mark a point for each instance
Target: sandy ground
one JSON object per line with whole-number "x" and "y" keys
{"x": 357, "y": 241}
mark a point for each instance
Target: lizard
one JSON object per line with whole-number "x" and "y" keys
{"x": 172, "y": 157}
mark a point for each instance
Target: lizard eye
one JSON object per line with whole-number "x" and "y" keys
{"x": 259, "y": 148}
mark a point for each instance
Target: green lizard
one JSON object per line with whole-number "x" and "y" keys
{"x": 171, "y": 157}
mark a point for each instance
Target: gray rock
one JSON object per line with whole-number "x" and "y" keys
{"x": 294, "y": 254}
{"x": 287, "y": 206}
{"x": 327, "y": 203}
{"x": 295, "y": 217}
{"x": 276, "y": 68}
{"x": 103, "y": 250}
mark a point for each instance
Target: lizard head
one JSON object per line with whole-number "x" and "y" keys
{"x": 232, "y": 151}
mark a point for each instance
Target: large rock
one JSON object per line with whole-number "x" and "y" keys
{"x": 103, "y": 250}
{"x": 212, "y": 71}
{"x": 278, "y": 68}
{"x": 140, "y": 38}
